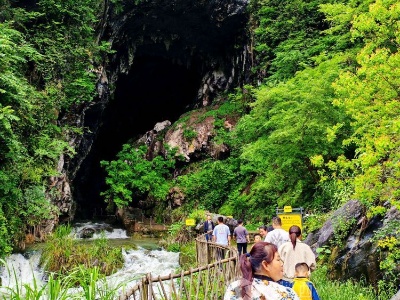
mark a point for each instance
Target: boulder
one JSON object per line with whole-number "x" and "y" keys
{"x": 352, "y": 238}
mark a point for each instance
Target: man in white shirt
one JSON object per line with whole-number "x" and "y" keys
{"x": 221, "y": 233}
{"x": 222, "y": 236}
{"x": 278, "y": 236}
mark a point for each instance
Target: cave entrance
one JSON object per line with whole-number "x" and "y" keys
{"x": 154, "y": 90}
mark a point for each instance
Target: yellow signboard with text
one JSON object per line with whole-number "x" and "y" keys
{"x": 190, "y": 222}
{"x": 290, "y": 216}
{"x": 289, "y": 219}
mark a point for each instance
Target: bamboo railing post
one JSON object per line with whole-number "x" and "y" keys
{"x": 145, "y": 290}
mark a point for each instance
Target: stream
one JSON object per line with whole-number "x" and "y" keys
{"x": 24, "y": 269}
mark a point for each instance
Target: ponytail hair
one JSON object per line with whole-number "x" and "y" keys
{"x": 251, "y": 263}
{"x": 294, "y": 233}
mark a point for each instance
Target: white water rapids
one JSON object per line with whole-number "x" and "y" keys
{"x": 24, "y": 269}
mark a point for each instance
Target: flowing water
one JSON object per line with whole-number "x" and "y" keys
{"x": 147, "y": 258}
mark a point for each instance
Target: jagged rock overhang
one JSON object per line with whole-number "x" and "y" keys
{"x": 203, "y": 35}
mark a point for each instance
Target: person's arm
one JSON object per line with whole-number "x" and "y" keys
{"x": 214, "y": 238}
{"x": 247, "y": 237}
{"x": 229, "y": 239}
{"x": 314, "y": 293}
{"x": 311, "y": 259}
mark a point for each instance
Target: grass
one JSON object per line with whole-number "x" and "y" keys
{"x": 62, "y": 254}
{"x": 347, "y": 290}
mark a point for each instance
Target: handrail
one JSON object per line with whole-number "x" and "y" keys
{"x": 207, "y": 281}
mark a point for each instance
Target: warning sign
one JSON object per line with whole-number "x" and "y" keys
{"x": 290, "y": 219}
{"x": 190, "y": 222}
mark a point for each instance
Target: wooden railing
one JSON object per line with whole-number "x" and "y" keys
{"x": 217, "y": 268}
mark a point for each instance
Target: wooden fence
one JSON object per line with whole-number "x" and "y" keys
{"x": 217, "y": 268}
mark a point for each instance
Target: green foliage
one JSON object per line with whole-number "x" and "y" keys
{"x": 341, "y": 228}
{"x": 336, "y": 290}
{"x": 46, "y": 58}
{"x": 286, "y": 128}
{"x": 133, "y": 176}
{"x": 24, "y": 122}
{"x": 369, "y": 96}
{"x": 188, "y": 255}
{"x": 287, "y": 35}
{"x": 323, "y": 254}
{"x": 63, "y": 253}
{"x": 198, "y": 215}
{"x": 211, "y": 183}
{"x": 189, "y": 134}
{"x": 313, "y": 222}
{"x": 388, "y": 242}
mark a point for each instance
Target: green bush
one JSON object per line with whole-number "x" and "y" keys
{"x": 132, "y": 175}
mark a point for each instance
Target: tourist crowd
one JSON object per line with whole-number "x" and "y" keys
{"x": 277, "y": 267}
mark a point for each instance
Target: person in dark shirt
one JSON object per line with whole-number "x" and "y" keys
{"x": 241, "y": 236}
{"x": 208, "y": 228}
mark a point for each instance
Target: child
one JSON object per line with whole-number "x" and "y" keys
{"x": 257, "y": 238}
{"x": 303, "y": 287}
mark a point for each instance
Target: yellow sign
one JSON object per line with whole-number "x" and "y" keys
{"x": 291, "y": 219}
{"x": 190, "y": 222}
{"x": 287, "y": 209}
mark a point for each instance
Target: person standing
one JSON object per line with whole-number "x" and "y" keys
{"x": 208, "y": 228}
{"x": 278, "y": 236}
{"x": 295, "y": 252}
{"x": 241, "y": 236}
{"x": 221, "y": 236}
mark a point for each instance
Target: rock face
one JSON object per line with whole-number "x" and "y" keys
{"x": 357, "y": 255}
{"x": 208, "y": 36}
{"x": 193, "y": 137}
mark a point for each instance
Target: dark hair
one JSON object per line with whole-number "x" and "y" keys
{"x": 263, "y": 227}
{"x": 220, "y": 219}
{"x": 251, "y": 263}
{"x": 294, "y": 233}
{"x": 301, "y": 267}
{"x": 240, "y": 221}
{"x": 277, "y": 221}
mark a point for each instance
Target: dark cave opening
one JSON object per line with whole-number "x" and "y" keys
{"x": 155, "y": 89}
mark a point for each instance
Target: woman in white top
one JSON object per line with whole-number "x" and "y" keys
{"x": 294, "y": 252}
{"x": 261, "y": 268}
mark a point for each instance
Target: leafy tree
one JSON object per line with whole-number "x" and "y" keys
{"x": 370, "y": 96}
{"x": 287, "y": 34}
{"x": 289, "y": 125}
